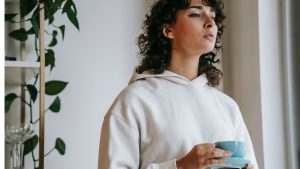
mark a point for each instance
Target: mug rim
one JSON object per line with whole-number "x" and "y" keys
{"x": 232, "y": 141}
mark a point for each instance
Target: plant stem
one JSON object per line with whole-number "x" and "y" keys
{"x": 19, "y": 21}
{"x": 48, "y": 33}
{"x": 34, "y": 160}
{"x": 36, "y": 121}
{"x": 49, "y": 152}
{"x": 23, "y": 100}
{"x": 36, "y": 78}
{"x": 31, "y": 111}
{"x": 54, "y": 25}
{"x": 35, "y": 45}
{"x": 39, "y": 118}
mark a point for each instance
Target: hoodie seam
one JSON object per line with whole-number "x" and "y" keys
{"x": 124, "y": 120}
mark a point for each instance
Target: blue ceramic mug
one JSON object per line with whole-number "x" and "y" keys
{"x": 238, "y": 148}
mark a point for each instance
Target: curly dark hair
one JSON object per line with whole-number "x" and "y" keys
{"x": 155, "y": 48}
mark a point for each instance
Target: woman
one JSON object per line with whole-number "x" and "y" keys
{"x": 170, "y": 115}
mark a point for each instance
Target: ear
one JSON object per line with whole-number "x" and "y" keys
{"x": 168, "y": 31}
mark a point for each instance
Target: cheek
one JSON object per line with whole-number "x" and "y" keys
{"x": 191, "y": 30}
{"x": 215, "y": 29}
{"x": 183, "y": 32}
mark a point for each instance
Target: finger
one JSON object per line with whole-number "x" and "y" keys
{"x": 203, "y": 148}
{"x": 206, "y": 145}
{"x": 248, "y": 166}
{"x": 217, "y": 153}
{"x": 210, "y": 162}
{"x": 206, "y": 150}
{"x": 203, "y": 151}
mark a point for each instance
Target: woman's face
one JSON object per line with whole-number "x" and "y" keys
{"x": 195, "y": 31}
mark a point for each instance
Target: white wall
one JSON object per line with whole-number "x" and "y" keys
{"x": 97, "y": 62}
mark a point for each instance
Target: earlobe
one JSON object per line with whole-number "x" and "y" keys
{"x": 167, "y": 31}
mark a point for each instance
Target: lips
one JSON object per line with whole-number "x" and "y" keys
{"x": 209, "y": 36}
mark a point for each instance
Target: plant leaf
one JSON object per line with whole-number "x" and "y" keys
{"x": 27, "y": 6}
{"x": 35, "y": 24}
{"x": 54, "y": 87}
{"x": 74, "y": 7}
{"x": 30, "y": 31}
{"x": 9, "y": 98}
{"x": 60, "y": 146}
{"x": 54, "y": 40}
{"x": 73, "y": 18}
{"x": 71, "y": 11}
{"x": 62, "y": 29}
{"x": 30, "y": 144}
{"x": 55, "y": 106}
{"x": 32, "y": 91}
{"x": 51, "y": 7}
{"x": 51, "y": 19}
{"x": 50, "y": 58}
{"x": 59, "y": 3}
{"x": 9, "y": 17}
{"x": 19, "y": 34}
{"x": 67, "y": 6}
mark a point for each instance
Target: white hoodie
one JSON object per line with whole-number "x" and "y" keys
{"x": 160, "y": 118}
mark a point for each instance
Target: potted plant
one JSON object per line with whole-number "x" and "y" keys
{"x": 29, "y": 11}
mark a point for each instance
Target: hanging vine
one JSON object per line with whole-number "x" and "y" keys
{"x": 29, "y": 10}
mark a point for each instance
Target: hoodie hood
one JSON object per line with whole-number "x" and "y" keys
{"x": 170, "y": 76}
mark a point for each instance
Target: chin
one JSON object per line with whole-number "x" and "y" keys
{"x": 204, "y": 49}
{"x": 209, "y": 49}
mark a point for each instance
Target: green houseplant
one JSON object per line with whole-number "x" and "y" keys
{"x": 29, "y": 11}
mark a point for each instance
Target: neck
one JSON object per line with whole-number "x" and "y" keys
{"x": 184, "y": 65}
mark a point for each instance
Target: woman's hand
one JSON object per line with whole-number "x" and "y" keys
{"x": 202, "y": 156}
{"x": 249, "y": 166}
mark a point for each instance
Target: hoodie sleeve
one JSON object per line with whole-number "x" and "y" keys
{"x": 120, "y": 147}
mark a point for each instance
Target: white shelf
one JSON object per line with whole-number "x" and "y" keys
{"x": 14, "y": 70}
{"x": 24, "y": 64}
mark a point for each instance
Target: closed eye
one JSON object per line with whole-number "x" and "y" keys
{"x": 194, "y": 15}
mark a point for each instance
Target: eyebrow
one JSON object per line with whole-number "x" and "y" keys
{"x": 201, "y": 8}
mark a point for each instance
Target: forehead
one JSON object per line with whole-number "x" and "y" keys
{"x": 199, "y": 4}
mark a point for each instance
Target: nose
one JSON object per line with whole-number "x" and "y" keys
{"x": 209, "y": 22}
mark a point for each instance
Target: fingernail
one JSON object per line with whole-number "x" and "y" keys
{"x": 228, "y": 153}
